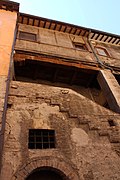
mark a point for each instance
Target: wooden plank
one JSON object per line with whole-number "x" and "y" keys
{"x": 22, "y": 57}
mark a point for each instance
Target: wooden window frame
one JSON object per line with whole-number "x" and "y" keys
{"x": 80, "y": 46}
{"x": 41, "y": 139}
{"x": 23, "y": 36}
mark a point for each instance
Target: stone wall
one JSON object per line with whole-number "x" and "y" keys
{"x": 113, "y": 53}
{"x": 54, "y": 43}
{"x": 62, "y": 44}
{"x": 87, "y": 147}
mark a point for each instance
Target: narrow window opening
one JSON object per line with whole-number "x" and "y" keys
{"x": 9, "y": 105}
{"x": 80, "y": 46}
{"x": 111, "y": 122}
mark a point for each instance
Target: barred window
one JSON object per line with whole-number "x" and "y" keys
{"x": 41, "y": 139}
{"x": 27, "y": 36}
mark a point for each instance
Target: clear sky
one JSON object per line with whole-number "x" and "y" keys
{"x": 97, "y": 14}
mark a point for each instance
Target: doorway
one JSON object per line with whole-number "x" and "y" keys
{"x": 46, "y": 174}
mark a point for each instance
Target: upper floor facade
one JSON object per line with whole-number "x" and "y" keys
{"x": 74, "y": 44}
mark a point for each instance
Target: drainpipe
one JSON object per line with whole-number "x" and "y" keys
{"x": 2, "y": 132}
{"x": 101, "y": 64}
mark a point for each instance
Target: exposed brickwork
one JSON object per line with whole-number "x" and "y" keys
{"x": 84, "y": 138}
{"x": 48, "y": 161}
{"x": 87, "y": 146}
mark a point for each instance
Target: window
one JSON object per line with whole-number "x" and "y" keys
{"x": 27, "y": 36}
{"x": 80, "y": 46}
{"x": 41, "y": 139}
{"x": 101, "y": 51}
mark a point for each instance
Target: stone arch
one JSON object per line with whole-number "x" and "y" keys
{"x": 48, "y": 162}
{"x": 47, "y": 172}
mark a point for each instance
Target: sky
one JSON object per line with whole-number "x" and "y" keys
{"x": 102, "y": 15}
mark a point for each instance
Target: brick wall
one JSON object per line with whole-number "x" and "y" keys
{"x": 86, "y": 146}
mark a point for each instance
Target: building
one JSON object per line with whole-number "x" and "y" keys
{"x": 59, "y": 99}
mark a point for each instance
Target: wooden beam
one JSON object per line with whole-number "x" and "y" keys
{"x": 110, "y": 39}
{"x": 75, "y": 31}
{"x": 106, "y": 38}
{"x": 55, "y": 75}
{"x": 60, "y": 61}
{"x": 73, "y": 77}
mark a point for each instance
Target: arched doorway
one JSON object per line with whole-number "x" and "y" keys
{"x": 46, "y": 173}
{"x": 52, "y": 165}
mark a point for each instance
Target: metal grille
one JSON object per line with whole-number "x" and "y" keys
{"x": 41, "y": 139}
